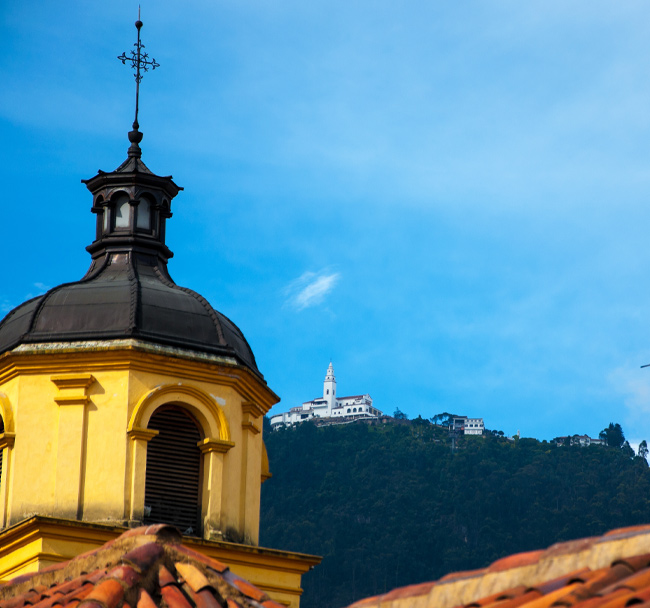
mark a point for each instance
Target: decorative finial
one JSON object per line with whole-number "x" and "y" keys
{"x": 140, "y": 62}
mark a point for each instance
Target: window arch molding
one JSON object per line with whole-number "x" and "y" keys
{"x": 7, "y": 414}
{"x": 216, "y": 443}
{"x": 7, "y": 438}
{"x": 201, "y": 405}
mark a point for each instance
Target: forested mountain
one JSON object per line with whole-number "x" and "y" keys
{"x": 392, "y": 505}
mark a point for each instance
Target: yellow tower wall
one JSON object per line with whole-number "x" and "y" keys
{"x": 80, "y": 421}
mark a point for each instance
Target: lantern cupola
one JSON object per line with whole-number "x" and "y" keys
{"x": 132, "y": 205}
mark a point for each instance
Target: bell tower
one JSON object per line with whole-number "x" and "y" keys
{"x": 329, "y": 389}
{"x": 127, "y": 399}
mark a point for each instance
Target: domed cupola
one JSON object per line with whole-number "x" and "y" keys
{"x": 127, "y": 291}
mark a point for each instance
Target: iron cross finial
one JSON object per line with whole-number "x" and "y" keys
{"x": 140, "y": 62}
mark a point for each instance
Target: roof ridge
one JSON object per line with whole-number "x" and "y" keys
{"x": 211, "y": 312}
{"x": 532, "y": 569}
{"x": 46, "y": 296}
{"x": 135, "y": 292}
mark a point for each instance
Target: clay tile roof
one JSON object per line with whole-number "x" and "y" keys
{"x": 611, "y": 571}
{"x": 144, "y": 568}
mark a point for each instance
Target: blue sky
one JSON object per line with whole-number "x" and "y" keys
{"x": 451, "y": 200}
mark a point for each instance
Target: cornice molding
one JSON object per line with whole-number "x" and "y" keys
{"x": 214, "y": 445}
{"x": 140, "y": 433}
{"x": 94, "y": 357}
{"x": 7, "y": 440}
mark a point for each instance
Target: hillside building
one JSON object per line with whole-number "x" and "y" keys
{"x": 468, "y": 426}
{"x": 330, "y": 406}
{"x": 580, "y": 440}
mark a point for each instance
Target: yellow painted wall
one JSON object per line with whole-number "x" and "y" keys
{"x": 79, "y": 452}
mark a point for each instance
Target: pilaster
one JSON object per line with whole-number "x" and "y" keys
{"x": 72, "y": 399}
{"x": 7, "y": 440}
{"x": 213, "y": 451}
{"x": 140, "y": 437}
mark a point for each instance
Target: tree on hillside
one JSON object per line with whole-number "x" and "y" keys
{"x": 400, "y": 415}
{"x": 419, "y": 421}
{"x": 643, "y": 449}
{"x": 613, "y": 435}
{"x": 444, "y": 419}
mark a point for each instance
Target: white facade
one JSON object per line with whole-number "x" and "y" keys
{"x": 469, "y": 426}
{"x": 329, "y": 406}
{"x": 474, "y": 426}
{"x": 582, "y": 440}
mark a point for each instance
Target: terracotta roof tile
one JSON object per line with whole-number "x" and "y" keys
{"x": 203, "y": 599}
{"x": 553, "y": 585}
{"x": 460, "y": 575}
{"x": 515, "y": 561}
{"x": 144, "y": 556}
{"x": 516, "y": 601}
{"x": 638, "y": 581}
{"x": 193, "y": 576}
{"x": 250, "y": 590}
{"x": 174, "y": 597}
{"x": 77, "y": 594}
{"x": 272, "y": 604}
{"x": 109, "y": 593}
{"x": 498, "y": 597}
{"x": 114, "y": 576}
{"x": 636, "y": 562}
{"x": 165, "y": 577}
{"x": 611, "y": 571}
{"x": 410, "y": 591}
{"x": 215, "y": 564}
{"x": 126, "y": 574}
{"x": 144, "y": 600}
{"x": 629, "y": 531}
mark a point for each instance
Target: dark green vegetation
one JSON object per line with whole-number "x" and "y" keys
{"x": 391, "y": 505}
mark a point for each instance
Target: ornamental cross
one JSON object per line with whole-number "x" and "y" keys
{"x": 139, "y": 62}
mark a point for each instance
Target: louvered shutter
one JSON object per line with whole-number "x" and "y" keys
{"x": 173, "y": 479}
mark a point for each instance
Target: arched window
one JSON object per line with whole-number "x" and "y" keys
{"x": 122, "y": 211}
{"x": 172, "y": 492}
{"x": 348, "y": 410}
{"x": 143, "y": 221}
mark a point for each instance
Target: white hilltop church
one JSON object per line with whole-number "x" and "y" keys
{"x": 338, "y": 409}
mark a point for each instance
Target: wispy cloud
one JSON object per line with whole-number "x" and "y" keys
{"x": 7, "y": 305}
{"x": 310, "y": 289}
{"x": 39, "y": 289}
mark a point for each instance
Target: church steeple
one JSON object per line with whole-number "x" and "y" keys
{"x": 132, "y": 204}
{"x": 329, "y": 388}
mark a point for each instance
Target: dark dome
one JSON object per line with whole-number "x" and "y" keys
{"x": 127, "y": 292}
{"x": 125, "y": 298}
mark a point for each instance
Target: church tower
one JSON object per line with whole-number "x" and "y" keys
{"x": 329, "y": 389}
{"x": 127, "y": 399}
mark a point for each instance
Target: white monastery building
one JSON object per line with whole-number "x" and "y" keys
{"x": 341, "y": 409}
